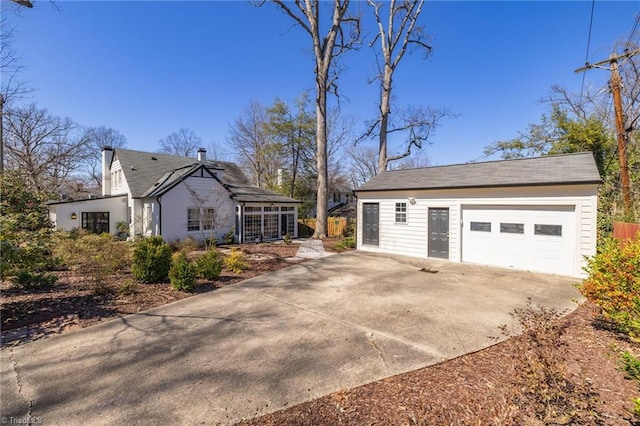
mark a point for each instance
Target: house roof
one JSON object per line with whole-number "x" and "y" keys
{"x": 579, "y": 168}
{"x": 81, "y": 200}
{"x": 151, "y": 175}
{"x": 143, "y": 169}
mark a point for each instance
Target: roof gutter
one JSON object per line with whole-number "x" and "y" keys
{"x": 513, "y": 185}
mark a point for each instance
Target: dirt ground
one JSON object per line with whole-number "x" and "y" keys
{"x": 477, "y": 388}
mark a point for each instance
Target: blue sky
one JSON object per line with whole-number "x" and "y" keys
{"x": 148, "y": 68}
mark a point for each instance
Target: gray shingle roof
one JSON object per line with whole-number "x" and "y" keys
{"x": 143, "y": 169}
{"x": 150, "y": 175}
{"x": 550, "y": 170}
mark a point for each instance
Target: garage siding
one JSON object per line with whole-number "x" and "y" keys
{"x": 411, "y": 239}
{"x": 400, "y": 238}
{"x": 588, "y": 229}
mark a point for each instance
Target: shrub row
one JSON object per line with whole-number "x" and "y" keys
{"x": 613, "y": 282}
{"x": 152, "y": 262}
{"x": 100, "y": 256}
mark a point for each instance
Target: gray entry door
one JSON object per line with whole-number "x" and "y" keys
{"x": 439, "y": 233}
{"x": 370, "y": 217}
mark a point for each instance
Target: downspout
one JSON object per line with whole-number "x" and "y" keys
{"x": 241, "y": 224}
{"x": 159, "y": 215}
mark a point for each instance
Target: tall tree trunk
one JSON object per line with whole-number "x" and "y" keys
{"x": 321, "y": 155}
{"x": 295, "y": 156}
{"x": 385, "y": 109}
{"x": 323, "y": 50}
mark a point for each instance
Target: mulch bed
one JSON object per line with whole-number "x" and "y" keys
{"x": 478, "y": 388}
{"x": 72, "y": 302}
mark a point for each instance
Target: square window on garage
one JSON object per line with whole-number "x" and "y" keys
{"x": 512, "y": 228}
{"x": 481, "y": 226}
{"x": 401, "y": 212}
{"x": 555, "y": 230}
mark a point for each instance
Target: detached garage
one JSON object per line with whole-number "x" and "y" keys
{"x": 536, "y": 214}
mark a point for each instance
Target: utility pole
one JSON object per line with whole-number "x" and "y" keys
{"x": 616, "y": 86}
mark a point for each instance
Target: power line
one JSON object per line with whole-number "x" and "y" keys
{"x": 616, "y": 85}
{"x": 586, "y": 59}
{"x": 634, "y": 29}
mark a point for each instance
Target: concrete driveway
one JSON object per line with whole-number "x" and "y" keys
{"x": 269, "y": 342}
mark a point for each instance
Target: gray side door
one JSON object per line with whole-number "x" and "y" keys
{"x": 370, "y": 217}
{"x": 439, "y": 233}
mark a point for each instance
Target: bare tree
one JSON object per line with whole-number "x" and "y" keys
{"x": 25, "y": 3}
{"x": 398, "y": 33}
{"x": 183, "y": 142}
{"x": 340, "y": 133}
{"x": 10, "y": 68}
{"x": 97, "y": 138}
{"x": 342, "y": 34}
{"x": 257, "y": 151}
{"x": 363, "y": 164}
{"x": 417, "y": 160}
{"x": 44, "y": 149}
{"x": 212, "y": 214}
{"x": 215, "y": 151}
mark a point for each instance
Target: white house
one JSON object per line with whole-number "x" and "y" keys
{"x": 178, "y": 197}
{"x": 536, "y": 214}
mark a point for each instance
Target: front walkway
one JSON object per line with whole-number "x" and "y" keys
{"x": 312, "y": 249}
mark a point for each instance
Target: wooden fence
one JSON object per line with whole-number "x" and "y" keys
{"x": 625, "y": 230}
{"x": 335, "y": 226}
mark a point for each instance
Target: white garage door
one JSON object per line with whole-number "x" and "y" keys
{"x": 523, "y": 237}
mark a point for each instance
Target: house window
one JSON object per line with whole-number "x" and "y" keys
{"x": 287, "y": 224}
{"x": 401, "y": 212}
{"x": 200, "y": 219}
{"x": 271, "y": 209}
{"x": 287, "y": 209}
{"x": 512, "y": 228}
{"x": 554, "y": 230}
{"x": 252, "y": 227}
{"x": 481, "y": 226}
{"x": 116, "y": 178}
{"x": 271, "y": 230}
{"x": 193, "y": 219}
{"x": 96, "y": 222}
{"x": 250, "y": 209}
{"x": 208, "y": 218}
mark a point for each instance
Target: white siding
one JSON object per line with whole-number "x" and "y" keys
{"x": 411, "y": 239}
{"x": 60, "y": 214}
{"x": 119, "y": 186}
{"x": 588, "y": 229}
{"x": 174, "y": 205}
{"x": 136, "y": 207}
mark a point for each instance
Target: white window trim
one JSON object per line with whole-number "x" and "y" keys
{"x": 402, "y": 212}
